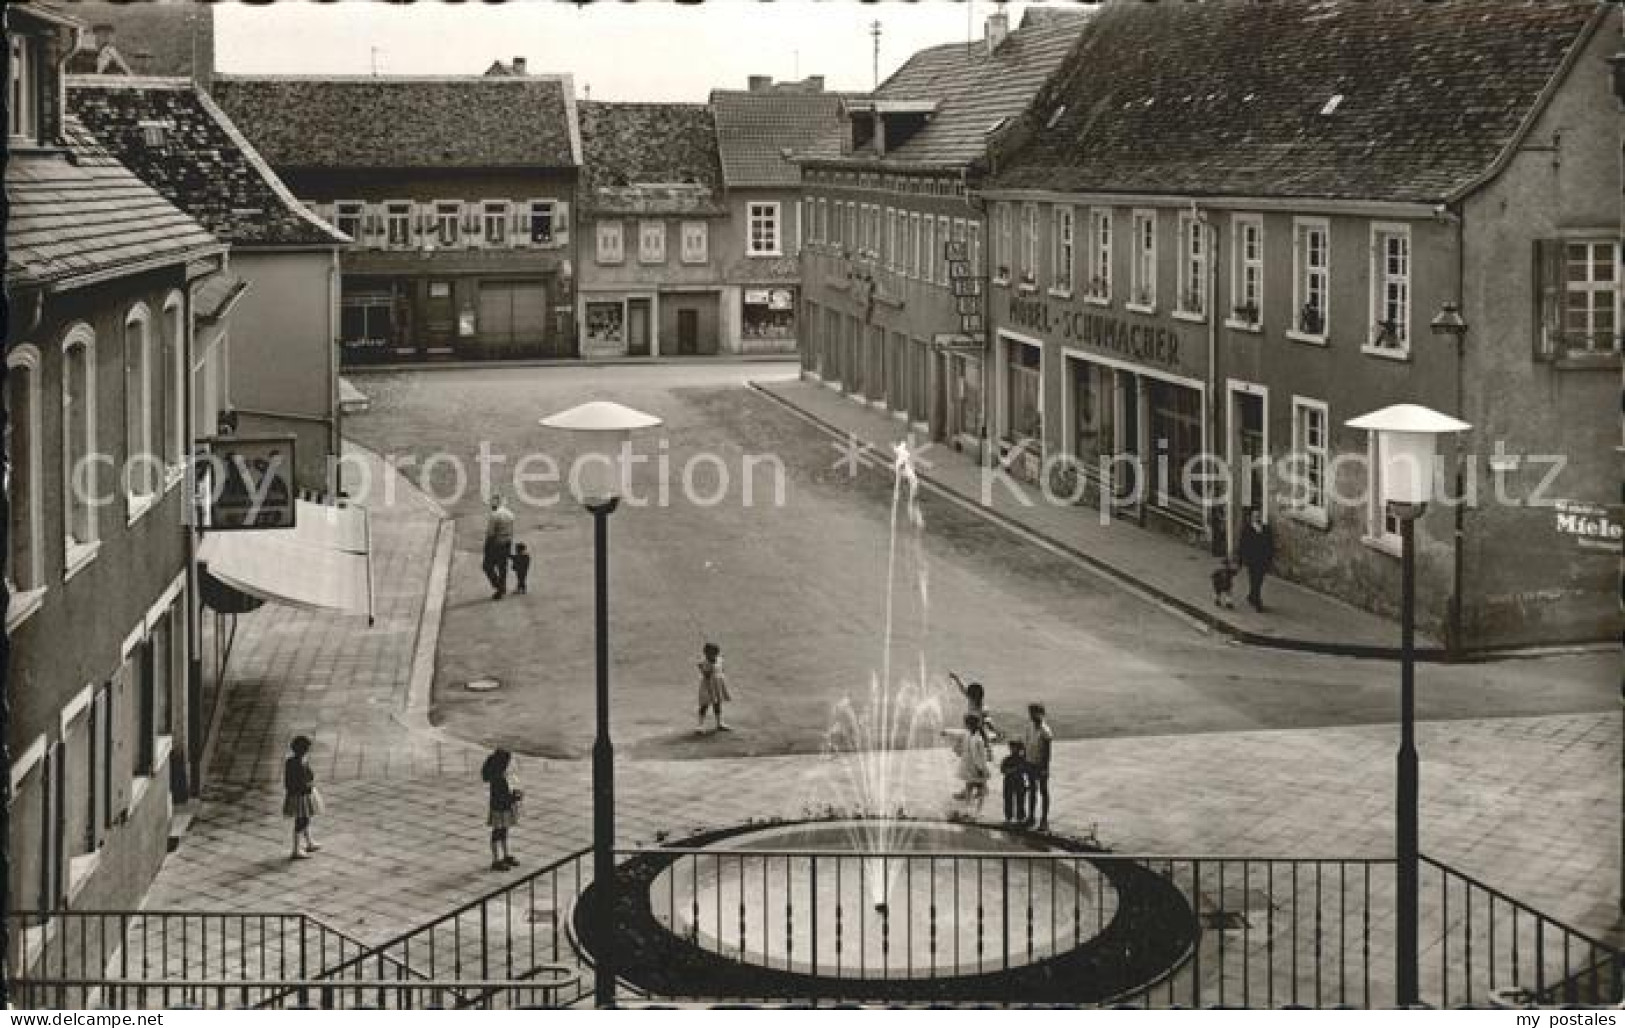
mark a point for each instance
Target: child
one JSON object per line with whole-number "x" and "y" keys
{"x": 974, "y": 761}
{"x": 1224, "y": 578}
{"x": 521, "y": 566}
{"x": 1039, "y": 744}
{"x": 504, "y": 807}
{"x": 300, "y": 799}
{"x": 713, "y": 687}
{"x": 975, "y": 704}
{"x": 1014, "y": 769}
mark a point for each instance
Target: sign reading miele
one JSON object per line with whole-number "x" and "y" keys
{"x": 1149, "y": 344}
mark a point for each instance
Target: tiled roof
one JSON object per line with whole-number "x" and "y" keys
{"x": 1054, "y": 15}
{"x": 975, "y": 91}
{"x": 754, "y": 129}
{"x": 205, "y": 166}
{"x": 671, "y": 149}
{"x": 1371, "y": 99}
{"x": 396, "y": 123}
{"x": 90, "y": 217}
{"x": 154, "y": 37}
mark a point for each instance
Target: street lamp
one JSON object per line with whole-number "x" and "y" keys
{"x": 1406, "y": 449}
{"x": 1449, "y": 324}
{"x": 605, "y": 432}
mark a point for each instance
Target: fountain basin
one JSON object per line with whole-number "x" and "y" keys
{"x": 947, "y": 912}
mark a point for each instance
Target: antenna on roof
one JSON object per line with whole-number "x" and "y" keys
{"x": 874, "y": 30}
{"x": 375, "y": 62}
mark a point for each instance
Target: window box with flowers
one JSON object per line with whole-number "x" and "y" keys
{"x": 1245, "y": 316}
{"x": 1310, "y": 326}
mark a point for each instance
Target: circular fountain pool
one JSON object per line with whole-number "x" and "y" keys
{"x": 883, "y": 909}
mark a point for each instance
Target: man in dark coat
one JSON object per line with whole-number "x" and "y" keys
{"x": 1256, "y": 552}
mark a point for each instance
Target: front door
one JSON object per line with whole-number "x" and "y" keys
{"x": 1247, "y": 414}
{"x": 439, "y": 323}
{"x": 637, "y": 328}
{"x": 688, "y": 330}
{"x": 1126, "y": 467}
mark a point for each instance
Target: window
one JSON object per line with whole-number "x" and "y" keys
{"x": 544, "y": 227}
{"x": 348, "y": 216}
{"x": 696, "y": 242}
{"x": 23, "y": 100}
{"x": 1591, "y": 296}
{"x": 916, "y": 238}
{"x": 944, "y": 226}
{"x": 1062, "y": 261}
{"x": 496, "y": 222}
{"x": 448, "y": 217}
{"x": 821, "y": 225}
{"x": 1311, "y": 277}
{"x": 849, "y": 231}
{"x": 1100, "y": 254}
{"x": 1390, "y": 290}
{"x": 140, "y": 479}
{"x": 651, "y": 242}
{"x": 1309, "y": 453}
{"x": 1023, "y": 395}
{"x": 609, "y": 242}
{"x": 1143, "y": 280}
{"x": 891, "y": 238}
{"x": 928, "y": 247}
{"x": 764, "y": 229}
{"x": 1004, "y": 243}
{"x": 398, "y": 222}
{"x": 78, "y": 446}
{"x": 1029, "y": 245}
{"x": 1247, "y": 287}
{"x": 171, "y": 371}
{"x": 1192, "y": 299}
{"x": 975, "y": 233}
{"x": 25, "y": 571}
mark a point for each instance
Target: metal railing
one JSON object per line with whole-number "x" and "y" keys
{"x": 1478, "y": 941}
{"x": 536, "y": 990}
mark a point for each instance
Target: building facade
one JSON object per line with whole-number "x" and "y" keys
{"x": 887, "y": 317}
{"x": 652, "y": 214}
{"x": 1200, "y": 275}
{"x": 457, "y": 191}
{"x": 760, "y": 133}
{"x": 98, "y": 601}
{"x": 276, "y": 371}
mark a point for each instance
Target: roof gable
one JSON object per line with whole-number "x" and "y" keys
{"x": 1368, "y": 99}
{"x": 203, "y": 165}
{"x": 358, "y": 122}
{"x": 650, "y": 158}
{"x": 755, "y": 129}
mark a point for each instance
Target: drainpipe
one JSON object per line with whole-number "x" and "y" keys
{"x": 1458, "y": 544}
{"x": 194, "y": 533}
{"x": 1210, "y": 402}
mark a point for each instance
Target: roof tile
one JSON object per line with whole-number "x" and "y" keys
{"x": 754, "y": 129}
{"x": 649, "y": 158}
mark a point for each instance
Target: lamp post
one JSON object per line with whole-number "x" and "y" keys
{"x": 1448, "y": 324}
{"x": 605, "y": 429}
{"x": 1406, "y": 450}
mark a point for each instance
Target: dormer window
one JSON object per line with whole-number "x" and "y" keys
{"x": 24, "y": 97}
{"x": 154, "y": 134}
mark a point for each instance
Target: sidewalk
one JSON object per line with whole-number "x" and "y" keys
{"x": 1165, "y": 570}
{"x": 1530, "y": 805}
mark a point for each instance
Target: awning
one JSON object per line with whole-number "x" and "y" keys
{"x": 323, "y": 563}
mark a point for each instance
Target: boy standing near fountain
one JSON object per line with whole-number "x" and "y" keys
{"x": 1014, "y": 769}
{"x": 1039, "y": 741}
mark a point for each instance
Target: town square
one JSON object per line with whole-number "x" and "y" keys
{"x": 1034, "y": 505}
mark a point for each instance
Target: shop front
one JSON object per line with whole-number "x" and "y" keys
{"x": 1021, "y": 390}
{"x": 962, "y": 378}
{"x": 375, "y": 320}
{"x": 767, "y": 319}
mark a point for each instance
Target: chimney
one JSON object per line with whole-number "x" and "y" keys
{"x": 519, "y": 66}
{"x": 102, "y": 36}
{"x": 998, "y": 27}
{"x": 815, "y": 83}
{"x": 761, "y": 83}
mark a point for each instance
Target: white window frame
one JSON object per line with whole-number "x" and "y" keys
{"x": 1399, "y": 346}
{"x": 442, "y": 211}
{"x": 890, "y": 262}
{"x": 173, "y": 369}
{"x": 928, "y": 248}
{"x": 1303, "y": 270}
{"x": 29, "y": 594}
{"x": 973, "y": 234}
{"x": 1029, "y": 246}
{"x": 1246, "y": 271}
{"x": 611, "y": 243}
{"x": 1004, "y": 244}
{"x": 22, "y": 98}
{"x": 140, "y": 491}
{"x": 350, "y": 210}
{"x": 695, "y": 254}
{"x": 764, "y": 215}
{"x": 1192, "y": 305}
{"x": 80, "y": 541}
{"x": 1098, "y": 287}
{"x": 398, "y": 212}
{"x": 534, "y": 208}
{"x": 1590, "y": 285}
{"x": 915, "y": 237}
{"x": 651, "y": 241}
{"x": 498, "y": 214}
{"x": 939, "y": 258}
{"x": 1303, "y": 507}
{"x": 821, "y": 224}
{"x": 1142, "y": 294}
{"x": 1064, "y": 244}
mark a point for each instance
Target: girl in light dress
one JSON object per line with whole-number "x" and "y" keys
{"x": 713, "y": 687}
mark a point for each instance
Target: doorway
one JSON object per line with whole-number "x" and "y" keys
{"x": 688, "y": 330}
{"x": 1248, "y": 455}
{"x": 637, "y": 328}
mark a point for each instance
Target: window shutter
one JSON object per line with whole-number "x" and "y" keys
{"x": 1548, "y": 297}
{"x": 561, "y": 223}
{"x": 519, "y": 223}
{"x": 125, "y": 727}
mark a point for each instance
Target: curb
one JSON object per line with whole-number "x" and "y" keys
{"x": 354, "y": 370}
{"x": 1173, "y": 604}
{"x": 414, "y": 712}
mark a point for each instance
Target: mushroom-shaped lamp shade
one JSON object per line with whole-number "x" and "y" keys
{"x": 602, "y": 431}
{"x": 1407, "y": 443}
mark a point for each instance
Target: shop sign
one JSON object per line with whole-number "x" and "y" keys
{"x": 1149, "y": 344}
{"x": 780, "y": 300}
{"x": 244, "y": 482}
{"x": 966, "y": 287}
{"x": 1591, "y": 526}
{"x": 756, "y": 297}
